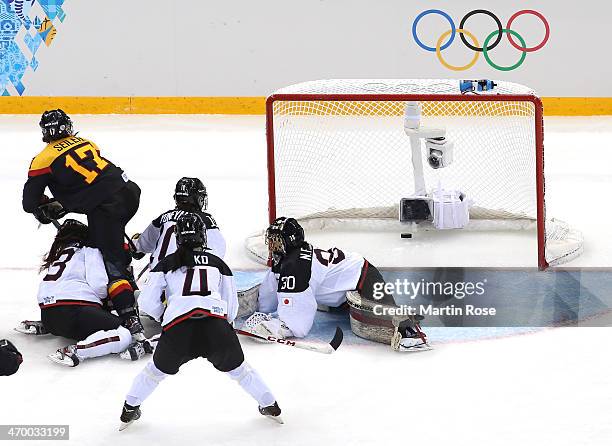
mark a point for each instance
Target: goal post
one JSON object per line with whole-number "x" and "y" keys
{"x": 337, "y": 154}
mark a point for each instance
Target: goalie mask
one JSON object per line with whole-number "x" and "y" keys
{"x": 191, "y": 193}
{"x": 55, "y": 124}
{"x": 283, "y": 236}
{"x": 190, "y": 231}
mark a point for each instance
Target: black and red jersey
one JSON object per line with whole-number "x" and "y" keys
{"x": 76, "y": 174}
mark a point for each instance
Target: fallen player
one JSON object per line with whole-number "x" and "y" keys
{"x": 303, "y": 277}
{"x": 71, "y": 297}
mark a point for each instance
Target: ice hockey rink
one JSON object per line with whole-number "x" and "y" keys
{"x": 478, "y": 386}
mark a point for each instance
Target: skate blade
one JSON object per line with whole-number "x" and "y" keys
{"x": 29, "y": 331}
{"x": 124, "y": 426}
{"x": 415, "y": 348}
{"x": 57, "y": 360}
{"x": 278, "y": 419}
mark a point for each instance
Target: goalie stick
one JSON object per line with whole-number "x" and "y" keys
{"x": 328, "y": 348}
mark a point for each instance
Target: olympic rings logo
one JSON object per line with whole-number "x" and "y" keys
{"x": 487, "y": 46}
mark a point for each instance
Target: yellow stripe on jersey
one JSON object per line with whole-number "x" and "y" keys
{"x": 118, "y": 286}
{"x": 45, "y": 158}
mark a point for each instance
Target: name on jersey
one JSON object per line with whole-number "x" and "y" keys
{"x": 171, "y": 216}
{"x": 306, "y": 254}
{"x": 200, "y": 259}
{"x": 67, "y": 143}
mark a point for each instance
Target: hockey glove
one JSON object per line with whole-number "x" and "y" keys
{"x": 47, "y": 212}
{"x": 10, "y": 358}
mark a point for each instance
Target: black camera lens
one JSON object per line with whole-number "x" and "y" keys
{"x": 435, "y": 161}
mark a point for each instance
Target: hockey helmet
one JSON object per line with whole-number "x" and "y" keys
{"x": 72, "y": 230}
{"x": 283, "y": 236}
{"x": 192, "y": 193}
{"x": 190, "y": 231}
{"x": 55, "y": 124}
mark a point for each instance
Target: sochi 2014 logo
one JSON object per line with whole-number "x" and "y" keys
{"x": 490, "y": 42}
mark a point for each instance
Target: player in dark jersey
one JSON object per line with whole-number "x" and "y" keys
{"x": 10, "y": 358}
{"x": 83, "y": 181}
{"x": 196, "y": 321}
{"x": 303, "y": 277}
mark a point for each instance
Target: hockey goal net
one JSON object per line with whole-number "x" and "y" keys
{"x": 339, "y": 156}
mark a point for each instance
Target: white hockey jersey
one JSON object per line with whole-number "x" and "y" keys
{"x": 77, "y": 277}
{"x": 206, "y": 288}
{"x": 158, "y": 238}
{"x": 307, "y": 277}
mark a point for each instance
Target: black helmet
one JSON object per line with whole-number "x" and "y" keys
{"x": 190, "y": 231}
{"x": 72, "y": 231}
{"x": 283, "y": 236}
{"x": 191, "y": 192}
{"x": 55, "y": 124}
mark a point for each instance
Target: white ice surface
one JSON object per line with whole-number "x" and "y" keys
{"x": 551, "y": 387}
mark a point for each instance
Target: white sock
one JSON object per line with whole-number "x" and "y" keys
{"x": 252, "y": 383}
{"x": 144, "y": 384}
{"x": 103, "y": 343}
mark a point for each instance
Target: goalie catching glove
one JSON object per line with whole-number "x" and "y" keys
{"x": 265, "y": 325}
{"x": 10, "y": 358}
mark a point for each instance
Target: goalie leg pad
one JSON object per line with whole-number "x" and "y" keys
{"x": 382, "y": 328}
{"x": 366, "y": 324}
{"x": 248, "y": 301}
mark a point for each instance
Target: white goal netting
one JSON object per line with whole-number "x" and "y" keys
{"x": 339, "y": 156}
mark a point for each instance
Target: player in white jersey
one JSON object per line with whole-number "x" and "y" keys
{"x": 71, "y": 297}
{"x": 159, "y": 239}
{"x": 196, "y": 320}
{"x": 303, "y": 277}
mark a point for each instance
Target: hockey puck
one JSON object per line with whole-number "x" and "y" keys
{"x": 406, "y": 235}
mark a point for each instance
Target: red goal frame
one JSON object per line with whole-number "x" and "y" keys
{"x": 539, "y": 140}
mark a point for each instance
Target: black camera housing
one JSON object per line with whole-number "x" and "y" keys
{"x": 414, "y": 209}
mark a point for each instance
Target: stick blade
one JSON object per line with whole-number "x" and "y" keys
{"x": 338, "y": 338}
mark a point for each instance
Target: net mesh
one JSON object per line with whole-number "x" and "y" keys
{"x": 345, "y": 155}
{"x": 353, "y": 158}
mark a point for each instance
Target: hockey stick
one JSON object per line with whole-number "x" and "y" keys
{"x": 133, "y": 250}
{"x": 141, "y": 273}
{"x": 328, "y": 348}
